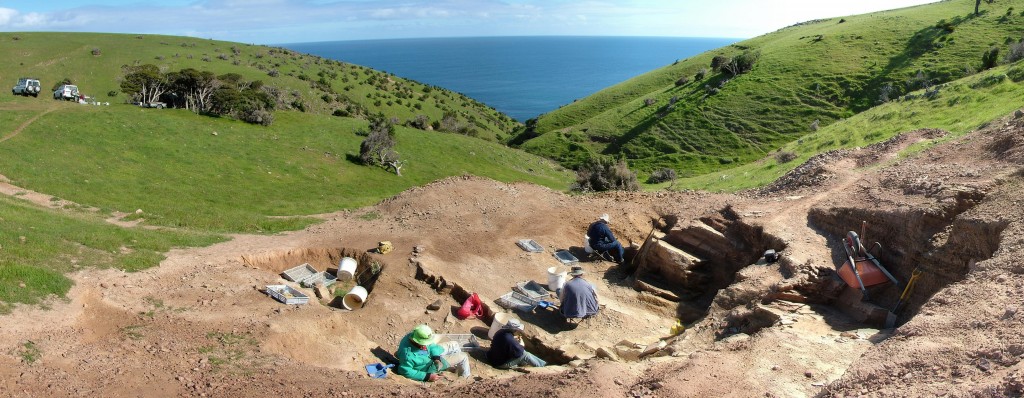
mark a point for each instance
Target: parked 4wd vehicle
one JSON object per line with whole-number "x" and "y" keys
{"x": 66, "y": 92}
{"x": 26, "y": 87}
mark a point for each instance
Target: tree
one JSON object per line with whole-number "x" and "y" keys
{"x": 978, "y": 3}
{"x": 144, "y": 83}
{"x": 378, "y": 147}
{"x": 194, "y": 88}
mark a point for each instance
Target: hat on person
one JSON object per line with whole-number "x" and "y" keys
{"x": 423, "y": 335}
{"x": 576, "y": 270}
{"x": 513, "y": 324}
{"x": 604, "y": 217}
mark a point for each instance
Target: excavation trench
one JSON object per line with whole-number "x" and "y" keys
{"x": 941, "y": 244}
{"x": 674, "y": 275}
{"x": 368, "y": 269}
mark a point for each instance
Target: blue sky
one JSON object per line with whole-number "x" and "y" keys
{"x": 288, "y": 21}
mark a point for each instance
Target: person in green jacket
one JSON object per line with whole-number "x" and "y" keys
{"x": 420, "y": 358}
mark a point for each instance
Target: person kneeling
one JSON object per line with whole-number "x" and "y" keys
{"x": 507, "y": 350}
{"x": 420, "y": 358}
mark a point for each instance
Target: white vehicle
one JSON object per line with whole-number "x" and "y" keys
{"x": 66, "y": 92}
{"x": 27, "y": 87}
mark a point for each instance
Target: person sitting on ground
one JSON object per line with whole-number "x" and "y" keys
{"x": 603, "y": 240}
{"x": 420, "y": 358}
{"x": 507, "y": 349}
{"x": 578, "y": 297}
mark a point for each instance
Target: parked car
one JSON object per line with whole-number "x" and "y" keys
{"x": 67, "y": 92}
{"x": 157, "y": 105}
{"x": 27, "y": 86}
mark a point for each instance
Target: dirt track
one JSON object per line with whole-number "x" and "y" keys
{"x": 199, "y": 325}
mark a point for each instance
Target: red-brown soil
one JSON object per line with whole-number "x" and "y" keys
{"x": 201, "y": 325}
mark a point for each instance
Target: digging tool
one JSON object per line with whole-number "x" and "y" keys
{"x": 891, "y": 317}
{"x": 641, "y": 253}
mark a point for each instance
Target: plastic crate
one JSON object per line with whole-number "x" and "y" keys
{"x": 530, "y": 245}
{"x": 533, "y": 290}
{"x": 299, "y": 273}
{"x": 565, "y": 257}
{"x": 286, "y": 294}
{"x": 467, "y": 341}
{"x": 324, "y": 278}
{"x": 516, "y": 301}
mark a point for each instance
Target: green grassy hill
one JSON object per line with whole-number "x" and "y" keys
{"x": 318, "y": 85}
{"x": 197, "y": 177}
{"x": 824, "y": 70}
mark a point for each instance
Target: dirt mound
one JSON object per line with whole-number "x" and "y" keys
{"x": 202, "y": 324}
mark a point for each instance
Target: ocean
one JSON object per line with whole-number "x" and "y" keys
{"x": 522, "y": 77}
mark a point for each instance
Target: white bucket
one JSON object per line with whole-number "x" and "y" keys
{"x": 347, "y": 269}
{"x": 586, "y": 245}
{"x": 556, "y": 278}
{"x": 500, "y": 319}
{"x": 355, "y": 298}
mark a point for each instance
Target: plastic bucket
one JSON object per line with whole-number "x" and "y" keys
{"x": 355, "y": 298}
{"x": 556, "y": 277}
{"x": 500, "y": 319}
{"x": 586, "y": 245}
{"x": 347, "y": 269}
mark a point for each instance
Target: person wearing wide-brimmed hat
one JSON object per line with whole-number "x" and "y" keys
{"x": 507, "y": 349}
{"x": 420, "y": 358}
{"x": 579, "y": 297}
{"x": 601, "y": 238}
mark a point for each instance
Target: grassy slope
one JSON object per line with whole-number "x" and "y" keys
{"x": 822, "y": 70}
{"x": 199, "y": 174}
{"x": 960, "y": 107}
{"x": 52, "y": 57}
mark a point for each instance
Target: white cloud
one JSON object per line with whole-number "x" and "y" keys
{"x": 7, "y": 15}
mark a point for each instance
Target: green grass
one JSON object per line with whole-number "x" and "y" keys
{"x": 29, "y": 352}
{"x": 825, "y": 70}
{"x": 52, "y": 57}
{"x": 960, "y": 107}
{"x": 38, "y": 246}
{"x": 184, "y": 170}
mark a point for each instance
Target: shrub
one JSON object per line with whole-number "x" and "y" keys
{"x": 96, "y": 51}
{"x": 682, "y": 81}
{"x": 257, "y": 116}
{"x": 604, "y": 174}
{"x": 990, "y": 58}
{"x": 1016, "y": 74}
{"x": 718, "y": 61}
{"x": 699, "y": 75}
{"x": 784, "y": 157}
{"x": 111, "y": 93}
{"x": 273, "y": 73}
{"x": 649, "y": 101}
{"x": 814, "y": 125}
{"x": 662, "y": 175}
{"x": 1015, "y": 52}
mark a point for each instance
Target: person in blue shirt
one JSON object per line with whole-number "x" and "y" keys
{"x": 578, "y": 297}
{"x": 602, "y": 239}
{"x": 420, "y": 358}
{"x": 507, "y": 351}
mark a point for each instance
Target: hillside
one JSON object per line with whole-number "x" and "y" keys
{"x": 823, "y": 70}
{"x": 172, "y": 178}
{"x": 313, "y": 84}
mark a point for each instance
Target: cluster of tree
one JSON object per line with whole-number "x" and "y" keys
{"x": 200, "y": 91}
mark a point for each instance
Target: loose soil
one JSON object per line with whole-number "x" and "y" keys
{"x": 201, "y": 324}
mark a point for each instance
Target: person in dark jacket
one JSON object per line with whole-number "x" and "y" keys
{"x": 420, "y": 358}
{"x": 507, "y": 350}
{"x": 602, "y": 239}
{"x": 579, "y": 297}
